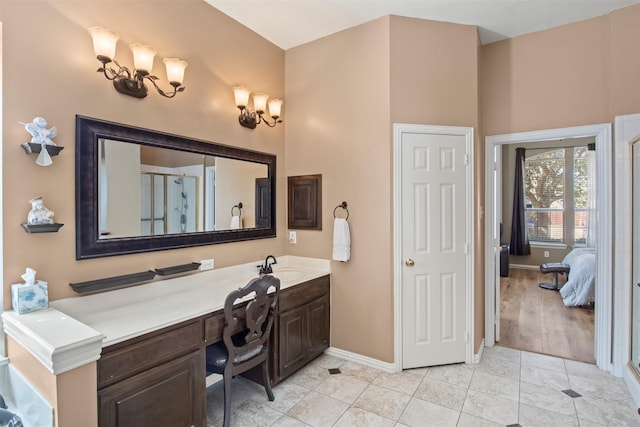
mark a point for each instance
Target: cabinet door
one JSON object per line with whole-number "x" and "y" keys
{"x": 292, "y": 340}
{"x": 318, "y": 312}
{"x": 169, "y": 395}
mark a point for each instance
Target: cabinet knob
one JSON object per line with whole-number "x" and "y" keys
{"x": 409, "y": 263}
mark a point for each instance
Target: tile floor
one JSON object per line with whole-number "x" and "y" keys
{"x": 508, "y": 387}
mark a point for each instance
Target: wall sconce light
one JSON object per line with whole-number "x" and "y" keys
{"x": 250, "y": 118}
{"x": 131, "y": 82}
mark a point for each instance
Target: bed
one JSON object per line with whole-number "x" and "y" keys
{"x": 580, "y": 286}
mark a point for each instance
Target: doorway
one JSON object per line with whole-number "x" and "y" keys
{"x": 433, "y": 237}
{"x": 603, "y": 309}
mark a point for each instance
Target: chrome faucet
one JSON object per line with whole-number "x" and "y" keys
{"x": 266, "y": 268}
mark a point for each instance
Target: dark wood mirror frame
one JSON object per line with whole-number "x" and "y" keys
{"x": 88, "y": 244}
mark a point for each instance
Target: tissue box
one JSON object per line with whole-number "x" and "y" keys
{"x": 27, "y": 298}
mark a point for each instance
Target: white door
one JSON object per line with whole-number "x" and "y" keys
{"x": 436, "y": 217}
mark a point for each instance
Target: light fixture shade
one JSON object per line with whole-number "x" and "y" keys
{"x": 241, "y": 94}
{"x": 175, "y": 69}
{"x": 275, "y": 107}
{"x": 104, "y": 42}
{"x": 142, "y": 57}
{"x": 260, "y": 102}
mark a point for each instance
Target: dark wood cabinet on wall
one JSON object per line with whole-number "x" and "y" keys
{"x": 159, "y": 379}
{"x": 305, "y": 202}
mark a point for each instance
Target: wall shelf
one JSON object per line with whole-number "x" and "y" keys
{"x": 41, "y": 228}
{"x": 167, "y": 271}
{"x": 32, "y": 148}
{"x": 111, "y": 283}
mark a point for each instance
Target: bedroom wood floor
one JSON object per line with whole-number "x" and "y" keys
{"x": 536, "y": 320}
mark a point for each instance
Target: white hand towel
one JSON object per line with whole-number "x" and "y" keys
{"x": 235, "y": 222}
{"x": 341, "y": 240}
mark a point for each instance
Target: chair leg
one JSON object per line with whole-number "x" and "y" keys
{"x": 553, "y": 286}
{"x": 267, "y": 380}
{"x": 227, "y": 398}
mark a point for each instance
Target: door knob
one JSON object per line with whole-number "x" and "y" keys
{"x": 409, "y": 263}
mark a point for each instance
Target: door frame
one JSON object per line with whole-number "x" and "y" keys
{"x": 627, "y": 131}
{"x": 604, "y": 246}
{"x": 467, "y": 132}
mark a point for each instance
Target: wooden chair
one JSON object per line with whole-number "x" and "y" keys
{"x": 240, "y": 351}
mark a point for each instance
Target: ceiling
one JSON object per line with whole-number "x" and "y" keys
{"x": 290, "y": 23}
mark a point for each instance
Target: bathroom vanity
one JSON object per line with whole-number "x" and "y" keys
{"x": 168, "y": 365}
{"x": 151, "y": 370}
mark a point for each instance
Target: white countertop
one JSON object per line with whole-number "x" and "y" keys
{"x": 115, "y": 316}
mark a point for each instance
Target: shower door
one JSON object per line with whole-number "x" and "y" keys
{"x": 169, "y": 204}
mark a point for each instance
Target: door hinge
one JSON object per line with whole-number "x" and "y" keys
{"x": 466, "y": 248}
{"x": 466, "y": 159}
{"x": 495, "y": 166}
{"x": 466, "y": 337}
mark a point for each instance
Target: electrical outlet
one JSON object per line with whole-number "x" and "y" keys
{"x": 206, "y": 264}
{"x": 546, "y": 254}
{"x": 293, "y": 239}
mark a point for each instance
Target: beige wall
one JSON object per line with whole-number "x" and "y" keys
{"x": 51, "y": 72}
{"x": 345, "y": 92}
{"x": 338, "y": 91}
{"x": 577, "y": 74}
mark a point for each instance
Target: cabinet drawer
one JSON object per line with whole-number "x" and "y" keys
{"x": 213, "y": 328}
{"x": 214, "y": 325}
{"x": 116, "y": 365}
{"x": 298, "y": 295}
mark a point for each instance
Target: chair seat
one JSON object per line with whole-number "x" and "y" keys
{"x": 554, "y": 267}
{"x": 217, "y": 355}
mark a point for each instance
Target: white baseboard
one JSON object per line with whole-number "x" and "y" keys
{"x": 478, "y": 355}
{"x": 631, "y": 380}
{"x": 387, "y": 367}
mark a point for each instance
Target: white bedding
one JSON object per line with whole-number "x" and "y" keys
{"x": 580, "y": 288}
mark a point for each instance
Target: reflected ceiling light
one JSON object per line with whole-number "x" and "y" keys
{"x": 131, "y": 82}
{"x": 250, "y": 118}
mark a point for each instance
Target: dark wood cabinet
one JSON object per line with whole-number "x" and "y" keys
{"x": 292, "y": 328}
{"x": 318, "y": 326}
{"x": 305, "y": 202}
{"x": 303, "y": 330}
{"x": 155, "y": 380}
{"x": 169, "y": 395}
{"x": 158, "y": 379}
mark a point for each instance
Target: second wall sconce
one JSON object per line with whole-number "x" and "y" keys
{"x": 131, "y": 82}
{"x": 250, "y": 118}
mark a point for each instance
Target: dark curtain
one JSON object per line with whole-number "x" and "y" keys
{"x": 519, "y": 239}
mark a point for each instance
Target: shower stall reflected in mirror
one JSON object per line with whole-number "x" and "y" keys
{"x": 169, "y": 204}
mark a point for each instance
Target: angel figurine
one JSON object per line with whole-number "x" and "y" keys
{"x": 41, "y": 135}
{"x": 39, "y": 214}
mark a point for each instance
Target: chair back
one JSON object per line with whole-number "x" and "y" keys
{"x": 258, "y": 316}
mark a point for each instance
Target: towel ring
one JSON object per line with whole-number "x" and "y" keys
{"x": 239, "y": 206}
{"x": 342, "y": 205}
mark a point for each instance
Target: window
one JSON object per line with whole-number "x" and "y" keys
{"x": 557, "y": 195}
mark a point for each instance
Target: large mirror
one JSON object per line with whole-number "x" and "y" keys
{"x": 138, "y": 190}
